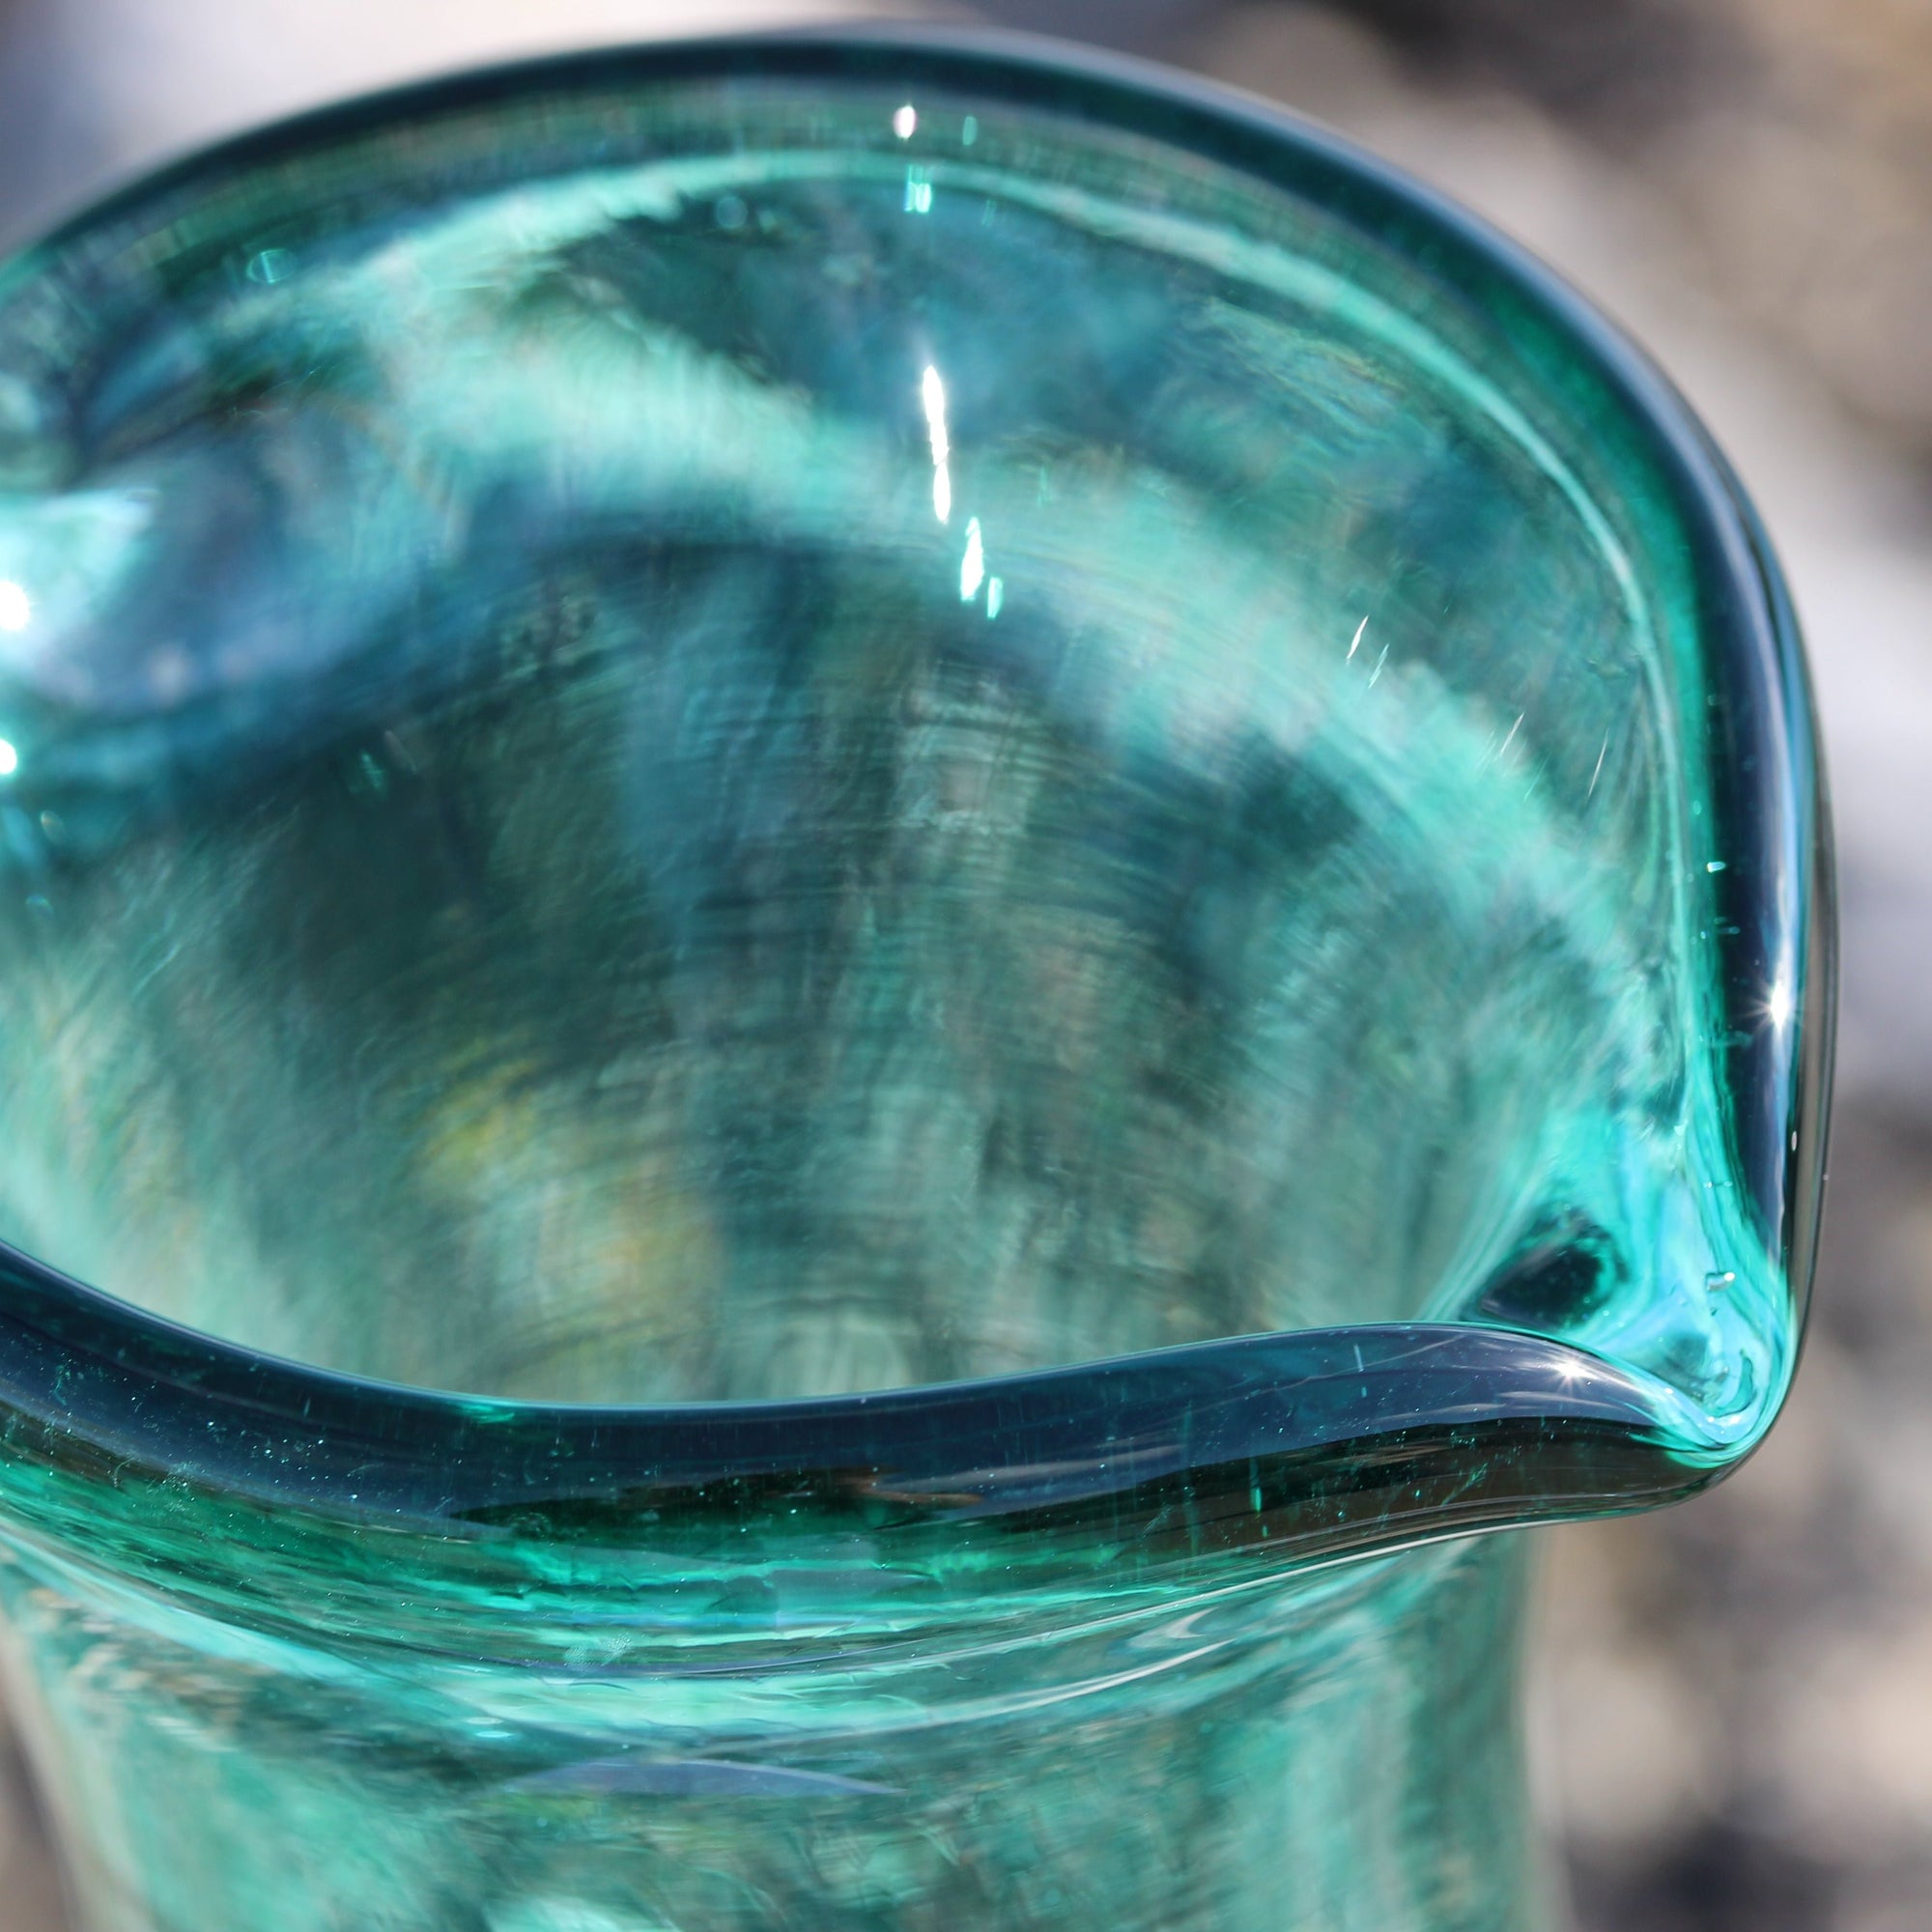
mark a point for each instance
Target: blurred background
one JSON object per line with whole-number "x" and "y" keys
{"x": 1732, "y": 1703}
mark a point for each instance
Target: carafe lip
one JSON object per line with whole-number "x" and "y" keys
{"x": 1421, "y": 1404}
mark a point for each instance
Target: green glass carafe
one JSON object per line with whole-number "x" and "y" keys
{"x": 870, "y": 908}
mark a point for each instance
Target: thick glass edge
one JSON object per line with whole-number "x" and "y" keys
{"x": 1808, "y": 1113}
{"x": 78, "y": 1368}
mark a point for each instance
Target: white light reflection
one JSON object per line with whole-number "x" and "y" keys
{"x": 10, "y": 759}
{"x": 973, "y": 565}
{"x": 932, "y": 394}
{"x": 1781, "y": 1004}
{"x": 906, "y": 121}
{"x": 996, "y": 595}
{"x": 16, "y": 608}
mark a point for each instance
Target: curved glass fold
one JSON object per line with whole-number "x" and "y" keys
{"x": 840, "y": 878}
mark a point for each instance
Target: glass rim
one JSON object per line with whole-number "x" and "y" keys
{"x": 77, "y": 1364}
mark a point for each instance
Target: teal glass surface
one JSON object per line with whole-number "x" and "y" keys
{"x": 867, "y": 907}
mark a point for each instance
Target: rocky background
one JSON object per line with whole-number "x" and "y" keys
{"x": 1732, "y": 1703}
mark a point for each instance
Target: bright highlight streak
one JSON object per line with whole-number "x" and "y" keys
{"x": 10, "y": 759}
{"x": 904, "y": 120}
{"x": 996, "y": 595}
{"x": 932, "y": 393}
{"x": 973, "y": 565}
{"x": 1780, "y": 1006}
{"x": 17, "y": 608}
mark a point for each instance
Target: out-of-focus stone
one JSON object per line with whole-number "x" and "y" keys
{"x": 92, "y": 89}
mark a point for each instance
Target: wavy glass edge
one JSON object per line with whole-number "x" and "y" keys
{"x": 1299, "y": 1446}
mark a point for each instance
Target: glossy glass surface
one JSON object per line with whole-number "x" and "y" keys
{"x": 837, "y": 878}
